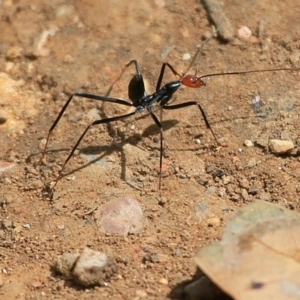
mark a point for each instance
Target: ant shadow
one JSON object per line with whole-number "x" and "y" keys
{"x": 105, "y": 150}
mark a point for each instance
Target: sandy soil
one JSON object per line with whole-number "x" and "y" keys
{"x": 49, "y": 51}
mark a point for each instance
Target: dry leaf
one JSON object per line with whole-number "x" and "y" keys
{"x": 258, "y": 256}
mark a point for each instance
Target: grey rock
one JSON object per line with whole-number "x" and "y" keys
{"x": 64, "y": 264}
{"x": 93, "y": 268}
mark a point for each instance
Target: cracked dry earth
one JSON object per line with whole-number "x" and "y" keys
{"x": 50, "y": 50}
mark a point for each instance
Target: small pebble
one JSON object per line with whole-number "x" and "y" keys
{"x": 64, "y": 10}
{"x": 27, "y": 226}
{"x": 186, "y": 56}
{"x": 164, "y": 281}
{"x": 263, "y": 140}
{"x": 214, "y": 221}
{"x": 294, "y": 58}
{"x": 211, "y": 190}
{"x": 7, "y": 180}
{"x": 252, "y": 162}
{"x": 18, "y": 228}
{"x": 222, "y": 191}
{"x": 31, "y": 170}
{"x": 37, "y": 184}
{"x": 245, "y": 194}
{"x": 281, "y": 146}
{"x": 244, "y": 32}
{"x": 265, "y": 196}
{"x": 162, "y": 201}
{"x": 248, "y": 143}
{"x": 253, "y": 189}
{"x": 227, "y": 179}
{"x": 42, "y": 144}
{"x": 13, "y": 53}
{"x": 7, "y": 224}
{"x": 141, "y": 294}
{"x": 211, "y": 168}
{"x": 182, "y": 176}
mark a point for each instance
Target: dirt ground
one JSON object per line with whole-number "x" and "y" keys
{"x": 49, "y": 50}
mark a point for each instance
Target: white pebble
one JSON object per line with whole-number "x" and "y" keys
{"x": 164, "y": 281}
{"x": 42, "y": 144}
{"x": 186, "y": 56}
{"x": 248, "y": 143}
{"x": 244, "y": 32}
{"x": 214, "y": 221}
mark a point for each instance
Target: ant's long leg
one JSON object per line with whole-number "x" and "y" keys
{"x": 162, "y": 72}
{"x": 158, "y": 85}
{"x": 82, "y": 95}
{"x": 158, "y": 123}
{"x": 97, "y": 122}
{"x": 137, "y": 69}
{"x": 93, "y": 97}
{"x": 191, "y": 103}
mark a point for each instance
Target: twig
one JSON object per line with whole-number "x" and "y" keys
{"x": 218, "y": 16}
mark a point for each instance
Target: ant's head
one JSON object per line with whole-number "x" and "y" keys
{"x": 192, "y": 81}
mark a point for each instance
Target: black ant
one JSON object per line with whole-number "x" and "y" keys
{"x": 141, "y": 101}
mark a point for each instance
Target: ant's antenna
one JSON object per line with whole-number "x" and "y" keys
{"x": 199, "y": 51}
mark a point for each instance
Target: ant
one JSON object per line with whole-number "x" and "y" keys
{"x": 141, "y": 101}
